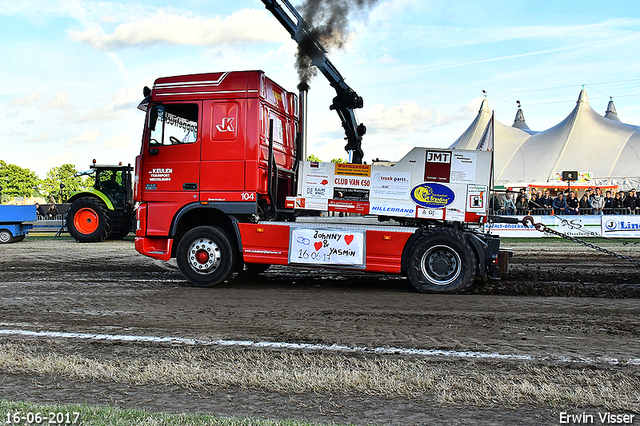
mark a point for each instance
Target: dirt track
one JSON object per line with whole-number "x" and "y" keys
{"x": 63, "y": 286}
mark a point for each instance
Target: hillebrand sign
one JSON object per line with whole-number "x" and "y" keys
{"x": 432, "y": 195}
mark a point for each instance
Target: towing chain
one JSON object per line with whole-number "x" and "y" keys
{"x": 528, "y": 220}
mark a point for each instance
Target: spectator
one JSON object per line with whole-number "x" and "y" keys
{"x": 573, "y": 204}
{"x": 534, "y": 204}
{"x": 597, "y": 202}
{"x": 494, "y": 204}
{"x": 585, "y": 207}
{"x": 608, "y": 203}
{"x": 522, "y": 204}
{"x": 589, "y": 193}
{"x": 507, "y": 206}
{"x": 546, "y": 202}
{"x": 630, "y": 202}
{"x": 559, "y": 204}
{"x": 52, "y": 212}
{"x": 523, "y": 192}
{"x": 618, "y": 208}
{"x": 39, "y": 210}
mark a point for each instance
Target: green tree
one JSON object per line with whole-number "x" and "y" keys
{"x": 17, "y": 182}
{"x": 313, "y": 158}
{"x": 64, "y": 175}
{"x": 339, "y": 160}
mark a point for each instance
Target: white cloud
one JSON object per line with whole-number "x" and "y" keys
{"x": 118, "y": 63}
{"x": 26, "y": 101}
{"x": 59, "y": 101}
{"x": 88, "y": 136}
{"x": 244, "y": 26}
{"x": 44, "y": 164}
{"x": 42, "y": 137}
{"x": 122, "y": 102}
{"x": 120, "y": 141}
{"x": 406, "y": 117}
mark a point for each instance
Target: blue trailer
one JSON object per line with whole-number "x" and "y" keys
{"x": 15, "y": 222}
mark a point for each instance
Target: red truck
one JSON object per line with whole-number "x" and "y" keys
{"x": 223, "y": 187}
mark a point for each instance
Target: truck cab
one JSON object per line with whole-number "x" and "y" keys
{"x": 206, "y": 153}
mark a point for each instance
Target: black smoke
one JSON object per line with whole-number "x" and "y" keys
{"x": 329, "y": 23}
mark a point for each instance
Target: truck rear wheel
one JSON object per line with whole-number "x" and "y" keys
{"x": 205, "y": 256}
{"x": 88, "y": 220}
{"x": 5, "y": 236}
{"x": 441, "y": 261}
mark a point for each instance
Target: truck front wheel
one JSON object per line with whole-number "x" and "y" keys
{"x": 205, "y": 256}
{"x": 441, "y": 261}
{"x": 5, "y": 236}
{"x": 88, "y": 220}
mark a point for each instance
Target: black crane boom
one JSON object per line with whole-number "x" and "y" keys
{"x": 346, "y": 99}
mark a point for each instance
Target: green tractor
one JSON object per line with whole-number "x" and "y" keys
{"x": 106, "y": 211}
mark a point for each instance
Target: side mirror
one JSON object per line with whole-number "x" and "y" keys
{"x": 153, "y": 118}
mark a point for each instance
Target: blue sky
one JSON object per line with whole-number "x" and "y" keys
{"x": 73, "y": 71}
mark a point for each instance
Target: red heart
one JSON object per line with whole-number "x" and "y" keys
{"x": 317, "y": 245}
{"x": 348, "y": 239}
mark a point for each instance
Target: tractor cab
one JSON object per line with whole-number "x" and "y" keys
{"x": 106, "y": 211}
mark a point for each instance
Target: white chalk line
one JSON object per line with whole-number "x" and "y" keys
{"x": 317, "y": 347}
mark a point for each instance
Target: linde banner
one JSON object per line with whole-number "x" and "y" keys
{"x": 576, "y": 226}
{"x": 621, "y": 226}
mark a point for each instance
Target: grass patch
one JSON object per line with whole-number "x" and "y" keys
{"x": 105, "y": 415}
{"x": 477, "y": 383}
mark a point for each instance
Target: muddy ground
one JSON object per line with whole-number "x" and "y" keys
{"x": 561, "y": 304}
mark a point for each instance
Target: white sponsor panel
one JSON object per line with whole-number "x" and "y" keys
{"x": 392, "y": 209}
{"x": 454, "y": 214}
{"x": 317, "y": 186}
{"x": 352, "y": 181}
{"x": 326, "y": 247}
{"x": 576, "y": 226}
{"x": 317, "y": 192}
{"x": 312, "y": 203}
{"x": 423, "y": 213}
{"x": 395, "y": 185}
{"x": 438, "y": 157}
{"x": 620, "y": 226}
{"x": 317, "y": 181}
{"x": 463, "y": 167}
{"x": 477, "y": 198}
{"x": 514, "y": 230}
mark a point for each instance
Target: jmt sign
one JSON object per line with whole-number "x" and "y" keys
{"x": 437, "y": 166}
{"x": 438, "y": 157}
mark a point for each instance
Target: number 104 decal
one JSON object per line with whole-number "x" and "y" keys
{"x": 326, "y": 247}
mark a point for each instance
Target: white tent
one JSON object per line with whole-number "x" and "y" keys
{"x": 605, "y": 148}
{"x": 507, "y": 139}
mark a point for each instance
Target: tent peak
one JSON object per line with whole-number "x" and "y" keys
{"x": 583, "y": 96}
{"x": 611, "y": 112}
{"x": 484, "y": 107}
{"x": 519, "y": 122}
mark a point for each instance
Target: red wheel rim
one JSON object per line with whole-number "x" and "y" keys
{"x": 202, "y": 257}
{"x": 86, "y": 221}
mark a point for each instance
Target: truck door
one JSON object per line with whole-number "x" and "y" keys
{"x": 223, "y": 151}
{"x": 171, "y": 166}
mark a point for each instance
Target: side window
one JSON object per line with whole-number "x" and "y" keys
{"x": 173, "y": 124}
